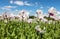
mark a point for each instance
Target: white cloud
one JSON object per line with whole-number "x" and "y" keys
{"x": 21, "y": 3}
{"x": 37, "y": 4}
{"x": 26, "y": 3}
{"x": 11, "y": 1}
{"x": 10, "y": 6}
{"x": 7, "y": 7}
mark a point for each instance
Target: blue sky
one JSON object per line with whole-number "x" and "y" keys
{"x": 29, "y": 5}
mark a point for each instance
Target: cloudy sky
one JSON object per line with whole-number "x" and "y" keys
{"x": 30, "y": 5}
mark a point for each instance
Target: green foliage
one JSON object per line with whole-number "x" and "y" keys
{"x": 31, "y": 17}
{"x": 24, "y": 30}
{"x": 48, "y": 18}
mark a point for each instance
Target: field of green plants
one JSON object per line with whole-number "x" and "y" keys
{"x": 24, "y": 30}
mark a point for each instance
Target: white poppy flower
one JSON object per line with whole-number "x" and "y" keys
{"x": 39, "y": 12}
{"x": 29, "y": 20}
{"x": 52, "y": 10}
{"x": 39, "y": 29}
{"x": 24, "y": 14}
{"x": 44, "y": 20}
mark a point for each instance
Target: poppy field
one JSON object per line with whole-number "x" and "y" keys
{"x": 24, "y": 30}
